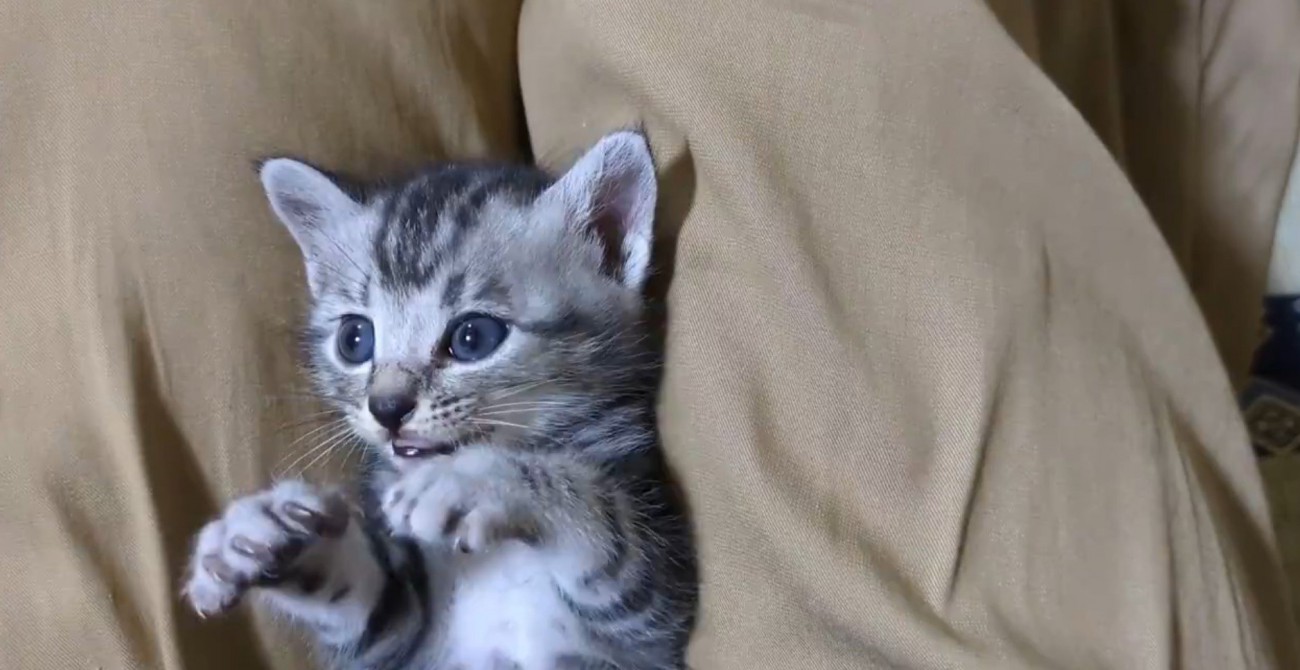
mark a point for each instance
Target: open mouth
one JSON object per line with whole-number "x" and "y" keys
{"x": 414, "y": 447}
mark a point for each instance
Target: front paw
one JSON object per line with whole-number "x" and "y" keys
{"x": 274, "y": 539}
{"x": 468, "y": 509}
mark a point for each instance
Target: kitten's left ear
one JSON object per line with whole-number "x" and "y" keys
{"x": 321, "y": 216}
{"x": 610, "y": 194}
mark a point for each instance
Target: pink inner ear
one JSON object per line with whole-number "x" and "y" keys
{"x": 609, "y": 196}
{"x": 609, "y": 228}
{"x": 608, "y": 223}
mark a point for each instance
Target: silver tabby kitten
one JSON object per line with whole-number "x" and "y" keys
{"x": 480, "y": 327}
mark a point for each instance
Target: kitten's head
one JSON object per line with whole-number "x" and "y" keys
{"x": 474, "y": 301}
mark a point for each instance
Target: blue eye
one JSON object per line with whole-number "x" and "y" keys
{"x": 475, "y": 336}
{"x": 356, "y": 339}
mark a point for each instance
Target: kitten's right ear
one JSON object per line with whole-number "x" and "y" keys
{"x": 324, "y": 220}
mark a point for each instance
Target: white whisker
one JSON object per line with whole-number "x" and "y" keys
{"x": 514, "y": 411}
{"x": 529, "y": 403}
{"x": 309, "y": 452}
{"x": 520, "y": 388}
{"x": 496, "y": 422}
{"x": 508, "y": 424}
{"x": 331, "y": 424}
{"x": 327, "y": 453}
{"x": 326, "y": 450}
{"x": 520, "y": 406}
{"x": 315, "y": 417}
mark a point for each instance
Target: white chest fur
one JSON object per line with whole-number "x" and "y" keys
{"x": 502, "y": 606}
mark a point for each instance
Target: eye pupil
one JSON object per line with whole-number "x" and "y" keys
{"x": 475, "y": 337}
{"x": 356, "y": 339}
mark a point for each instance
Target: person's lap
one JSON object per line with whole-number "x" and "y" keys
{"x": 935, "y": 389}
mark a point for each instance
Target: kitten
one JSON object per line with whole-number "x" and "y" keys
{"x": 481, "y": 328}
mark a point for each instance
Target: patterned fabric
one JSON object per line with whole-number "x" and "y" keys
{"x": 1271, "y": 403}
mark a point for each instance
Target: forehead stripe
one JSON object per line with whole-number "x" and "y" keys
{"x": 410, "y": 249}
{"x": 453, "y": 291}
{"x": 404, "y": 247}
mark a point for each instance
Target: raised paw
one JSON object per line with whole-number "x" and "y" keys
{"x": 468, "y": 509}
{"x": 276, "y": 539}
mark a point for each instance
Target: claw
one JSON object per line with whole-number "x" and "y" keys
{"x": 331, "y": 522}
{"x": 256, "y": 551}
{"x": 309, "y": 518}
{"x": 219, "y": 570}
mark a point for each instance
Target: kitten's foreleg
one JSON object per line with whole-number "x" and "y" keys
{"x": 309, "y": 555}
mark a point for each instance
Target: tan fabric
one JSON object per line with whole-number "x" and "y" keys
{"x": 1197, "y": 99}
{"x": 936, "y": 389}
{"x": 150, "y": 300}
{"x": 935, "y": 386}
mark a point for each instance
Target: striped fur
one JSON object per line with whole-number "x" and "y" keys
{"x": 542, "y": 534}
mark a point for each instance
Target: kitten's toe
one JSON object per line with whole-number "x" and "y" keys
{"x": 308, "y": 510}
{"x": 211, "y": 587}
{"x": 424, "y": 505}
{"x": 435, "y": 512}
{"x": 480, "y": 528}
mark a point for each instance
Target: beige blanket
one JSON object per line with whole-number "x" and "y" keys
{"x": 939, "y": 393}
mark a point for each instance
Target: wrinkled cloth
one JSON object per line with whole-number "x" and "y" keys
{"x": 938, "y": 392}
